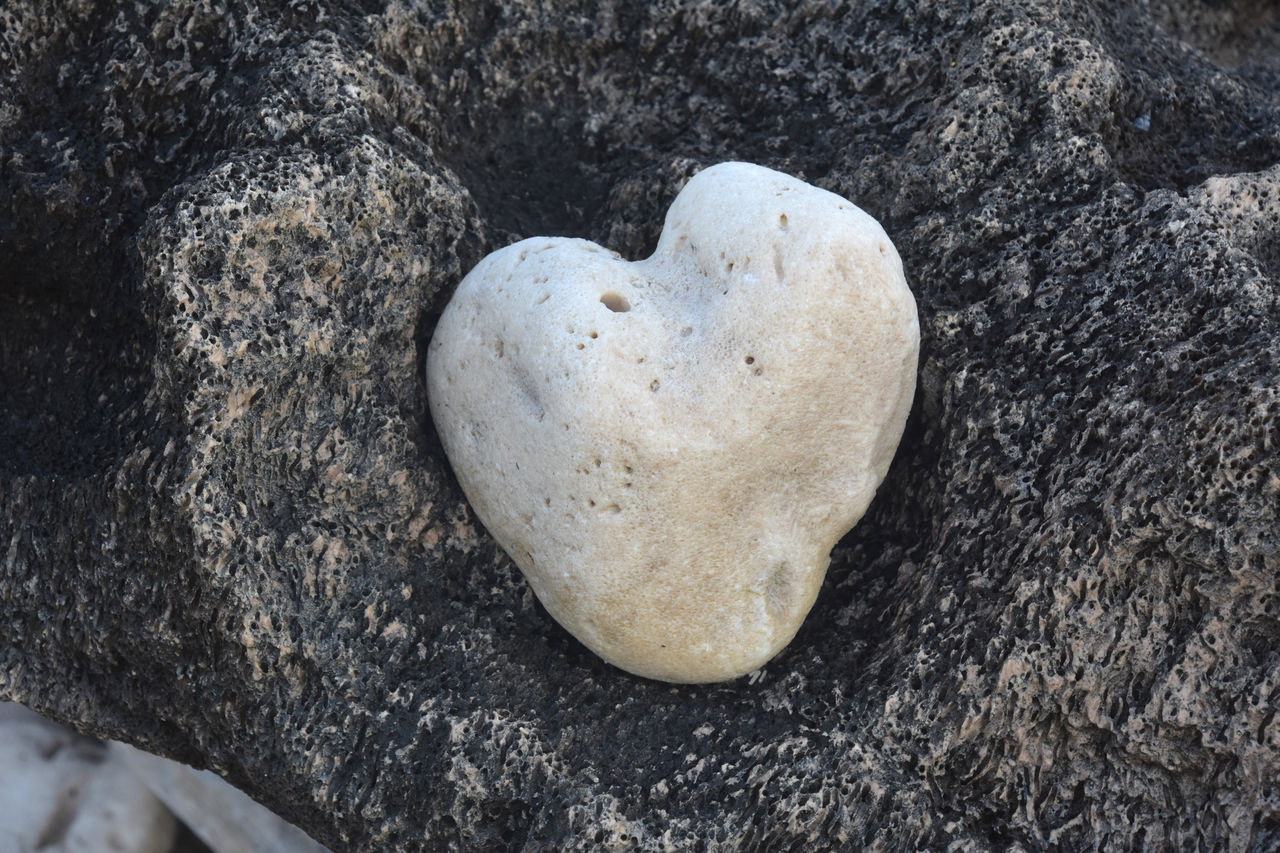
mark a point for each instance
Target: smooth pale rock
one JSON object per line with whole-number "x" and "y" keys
{"x": 669, "y": 449}
{"x": 63, "y": 793}
{"x": 226, "y": 819}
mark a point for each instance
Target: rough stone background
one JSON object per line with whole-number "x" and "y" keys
{"x": 228, "y": 534}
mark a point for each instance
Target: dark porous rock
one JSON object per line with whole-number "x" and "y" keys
{"x": 228, "y": 533}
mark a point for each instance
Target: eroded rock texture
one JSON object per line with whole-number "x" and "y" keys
{"x": 227, "y": 533}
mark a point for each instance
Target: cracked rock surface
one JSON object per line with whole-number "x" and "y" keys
{"x": 229, "y": 535}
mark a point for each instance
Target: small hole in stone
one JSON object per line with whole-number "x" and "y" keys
{"x": 590, "y": 502}
{"x": 615, "y": 302}
{"x": 546, "y": 501}
{"x": 593, "y": 336}
{"x": 686, "y": 331}
{"x": 653, "y": 386}
{"x": 582, "y": 346}
{"x": 751, "y": 359}
{"x": 782, "y": 222}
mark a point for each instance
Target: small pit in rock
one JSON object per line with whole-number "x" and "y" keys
{"x": 615, "y": 302}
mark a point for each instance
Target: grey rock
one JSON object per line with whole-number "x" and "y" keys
{"x": 228, "y": 534}
{"x": 63, "y": 793}
{"x": 223, "y": 818}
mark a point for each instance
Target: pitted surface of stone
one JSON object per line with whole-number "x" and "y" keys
{"x": 669, "y": 449}
{"x": 228, "y": 532}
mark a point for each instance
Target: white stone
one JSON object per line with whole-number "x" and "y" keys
{"x": 225, "y": 818}
{"x": 669, "y": 449}
{"x": 63, "y": 793}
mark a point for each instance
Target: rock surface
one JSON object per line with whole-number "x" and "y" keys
{"x": 227, "y": 532}
{"x": 63, "y": 793}
{"x": 669, "y": 449}
{"x": 221, "y": 817}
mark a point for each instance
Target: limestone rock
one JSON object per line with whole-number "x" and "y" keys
{"x": 669, "y": 449}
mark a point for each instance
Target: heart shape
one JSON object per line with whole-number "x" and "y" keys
{"x": 669, "y": 449}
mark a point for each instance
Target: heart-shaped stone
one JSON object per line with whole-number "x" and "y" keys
{"x": 669, "y": 449}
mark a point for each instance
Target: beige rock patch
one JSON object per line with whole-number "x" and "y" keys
{"x": 669, "y": 449}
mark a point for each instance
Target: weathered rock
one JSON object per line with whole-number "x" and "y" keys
{"x": 227, "y": 532}
{"x": 669, "y": 449}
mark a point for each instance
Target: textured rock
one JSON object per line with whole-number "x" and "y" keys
{"x": 669, "y": 449}
{"x": 227, "y": 531}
